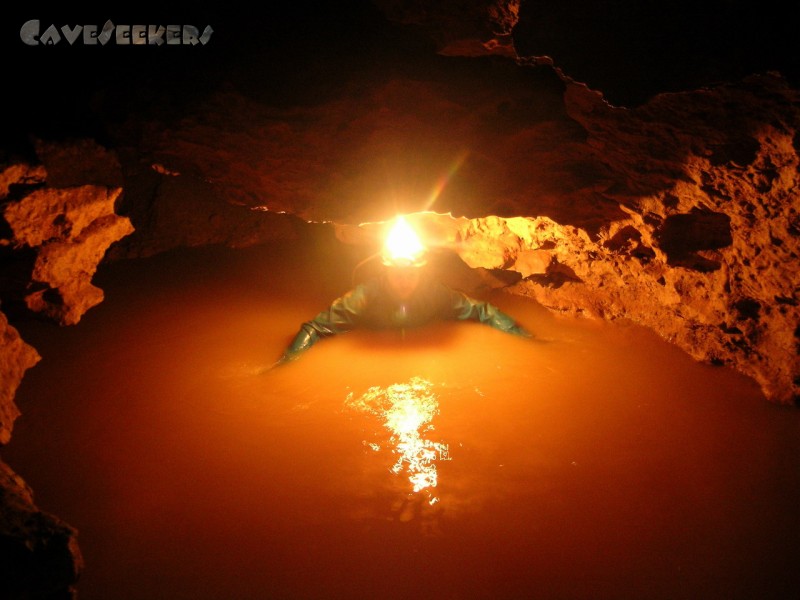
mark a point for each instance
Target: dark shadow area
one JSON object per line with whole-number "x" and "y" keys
{"x": 682, "y": 236}
{"x": 631, "y": 51}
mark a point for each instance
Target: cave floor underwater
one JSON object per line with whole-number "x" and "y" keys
{"x": 603, "y": 464}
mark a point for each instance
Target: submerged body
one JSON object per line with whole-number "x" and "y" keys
{"x": 401, "y": 298}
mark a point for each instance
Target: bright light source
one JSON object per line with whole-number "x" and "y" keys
{"x": 403, "y": 246}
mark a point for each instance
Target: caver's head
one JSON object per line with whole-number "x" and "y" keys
{"x": 404, "y": 256}
{"x": 403, "y": 280}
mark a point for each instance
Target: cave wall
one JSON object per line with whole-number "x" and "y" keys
{"x": 58, "y": 221}
{"x": 18, "y": 357}
{"x": 39, "y": 553}
{"x": 708, "y": 251}
{"x": 709, "y": 260}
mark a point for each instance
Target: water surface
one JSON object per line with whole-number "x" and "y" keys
{"x": 603, "y": 464}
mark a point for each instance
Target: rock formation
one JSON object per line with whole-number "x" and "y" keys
{"x": 39, "y": 554}
{"x": 17, "y": 357}
{"x": 62, "y": 229}
{"x": 58, "y": 222}
{"x": 709, "y": 252}
{"x": 458, "y": 27}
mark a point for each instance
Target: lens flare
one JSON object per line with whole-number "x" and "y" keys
{"x": 403, "y": 245}
{"x": 407, "y": 411}
{"x": 445, "y": 179}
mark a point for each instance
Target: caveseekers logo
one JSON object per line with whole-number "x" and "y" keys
{"x": 122, "y": 35}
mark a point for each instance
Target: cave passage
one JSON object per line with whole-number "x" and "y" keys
{"x": 605, "y": 464}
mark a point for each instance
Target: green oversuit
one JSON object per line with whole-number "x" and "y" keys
{"x": 372, "y": 305}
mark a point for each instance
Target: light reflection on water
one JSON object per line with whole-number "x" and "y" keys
{"x": 407, "y": 410}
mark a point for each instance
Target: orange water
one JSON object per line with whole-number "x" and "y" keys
{"x": 604, "y": 464}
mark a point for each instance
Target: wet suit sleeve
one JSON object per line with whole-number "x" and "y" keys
{"x": 340, "y": 317}
{"x": 465, "y": 308}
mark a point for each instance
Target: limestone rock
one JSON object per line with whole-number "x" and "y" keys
{"x": 78, "y": 162}
{"x": 16, "y": 357}
{"x": 48, "y": 214}
{"x": 67, "y": 231}
{"x": 171, "y": 210}
{"x": 39, "y": 553}
{"x": 20, "y": 175}
{"x": 709, "y": 252}
{"x": 458, "y": 27}
{"x": 395, "y": 145}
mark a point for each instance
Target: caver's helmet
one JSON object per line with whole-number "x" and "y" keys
{"x": 402, "y": 247}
